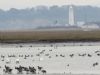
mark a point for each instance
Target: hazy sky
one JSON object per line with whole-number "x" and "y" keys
{"x": 20, "y": 4}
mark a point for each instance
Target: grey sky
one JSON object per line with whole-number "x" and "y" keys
{"x": 20, "y": 4}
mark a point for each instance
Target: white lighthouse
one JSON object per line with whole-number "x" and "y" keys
{"x": 71, "y": 16}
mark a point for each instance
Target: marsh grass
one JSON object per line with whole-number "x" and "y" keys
{"x": 50, "y": 35}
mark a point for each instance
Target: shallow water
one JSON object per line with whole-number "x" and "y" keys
{"x": 54, "y": 59}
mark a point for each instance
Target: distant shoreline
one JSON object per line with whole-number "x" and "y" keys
{"x": 45, "y": 41}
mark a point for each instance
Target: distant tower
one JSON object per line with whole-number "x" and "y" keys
{"x": 71, "y": 16}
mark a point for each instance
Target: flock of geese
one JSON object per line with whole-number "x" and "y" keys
{"x": 34, "y": 70}
{"x": 20, "y": 69}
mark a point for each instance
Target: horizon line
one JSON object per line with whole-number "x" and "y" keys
{"x": 45, "y": 6}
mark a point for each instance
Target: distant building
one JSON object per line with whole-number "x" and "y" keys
{"x": 80, "y": 23}
{"x": 90, "y": 26}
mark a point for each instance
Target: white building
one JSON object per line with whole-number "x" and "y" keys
{"x": 90, "y": 26}
{"x": 80, "y": 23}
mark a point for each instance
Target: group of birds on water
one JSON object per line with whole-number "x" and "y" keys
{"x": 21, "y": 69}
{"x": 31, "y": 69}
